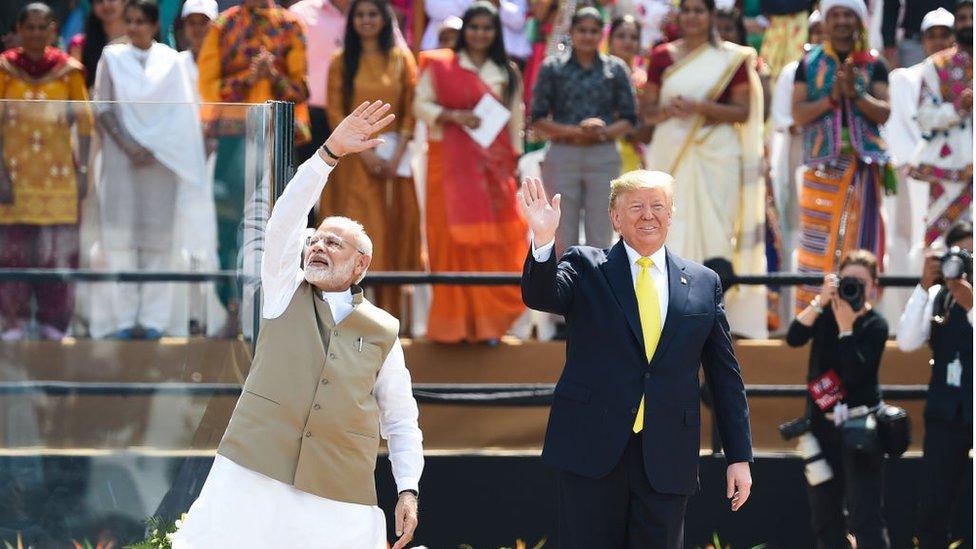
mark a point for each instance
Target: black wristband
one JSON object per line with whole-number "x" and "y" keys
{"x": 414, "y": 492}
{"x": 329, "y": 152}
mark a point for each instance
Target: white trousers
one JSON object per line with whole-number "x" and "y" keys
{"x": 241, "y": 509}
{"x": 148, "y": 305}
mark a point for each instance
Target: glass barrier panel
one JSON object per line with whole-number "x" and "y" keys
{"x": 116, "y": 383}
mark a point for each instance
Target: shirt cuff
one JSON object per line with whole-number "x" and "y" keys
{"x": 919, "y": 293}
{"x": 317, "y": 164}
{"x": 408, "y": 483}
{"x": 543, "y": 253}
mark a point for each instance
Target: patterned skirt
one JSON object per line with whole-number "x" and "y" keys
{"x": 840, "y": 211}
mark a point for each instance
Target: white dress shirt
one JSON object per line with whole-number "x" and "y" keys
{"x": 269, "y": 513}
{"x": 915, "y": 324}
{"x": 659, "y": 272}
{"x": 281, "y": 275}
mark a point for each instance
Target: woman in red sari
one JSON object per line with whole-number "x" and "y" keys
{"x": 473, "y": 223}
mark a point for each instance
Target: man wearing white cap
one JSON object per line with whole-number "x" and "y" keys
{"x": 905, "y": 211}
{"x": 840, "y": 100}
{"x": 447, "y": 34}
{"x": 901, "y": 31}
{"x": 196, "y": 18}
{"x": 944, "y": 156}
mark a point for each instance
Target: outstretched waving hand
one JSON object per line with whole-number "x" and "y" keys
{"x": 541, "y": 215}
{"x": 353, "y": 134}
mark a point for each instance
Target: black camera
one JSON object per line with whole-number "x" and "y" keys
{"x": 795, "y": 428}
{"x": 956, "y": 262}
{"x": 851, "y": 290}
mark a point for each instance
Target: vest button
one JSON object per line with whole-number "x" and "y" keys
{"x": 335, "y": 333}
{"x": 325, "y": 382}
{"x": 332, "y": 356}
{"x": 308, "y": 434}
{"x": 633, "y": 410}
{"x": 647, "y": 375}
{"x": 317, "y": 407}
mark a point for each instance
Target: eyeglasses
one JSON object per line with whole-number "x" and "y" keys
{"x": 330, "y": 242}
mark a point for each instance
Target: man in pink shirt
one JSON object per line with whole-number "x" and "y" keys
{"x": 325, "y": 27}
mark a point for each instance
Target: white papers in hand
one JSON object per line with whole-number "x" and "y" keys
{"x": 494, "y": 116}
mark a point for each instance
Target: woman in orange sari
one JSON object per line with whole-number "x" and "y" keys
{"x": 375, "y": 187}
{"x": 473, "y": 223}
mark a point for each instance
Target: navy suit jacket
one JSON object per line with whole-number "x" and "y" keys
{"x": 607, "y": 371}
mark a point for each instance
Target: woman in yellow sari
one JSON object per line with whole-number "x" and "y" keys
{"x": 705, "y": 99}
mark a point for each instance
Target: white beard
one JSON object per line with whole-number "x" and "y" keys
{"x": 330, "y": 277}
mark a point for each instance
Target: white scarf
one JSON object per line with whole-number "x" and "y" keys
{"x": 158, "y": 106}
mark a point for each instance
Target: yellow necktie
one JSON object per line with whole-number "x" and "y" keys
{"x": 649, "y": 308}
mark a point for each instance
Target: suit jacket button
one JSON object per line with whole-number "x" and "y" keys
{"x": 325, "y": 382}
{"x": 633, "y": 410}
{"x": 308, "y": 434}
{"x": 332, "y": 356}
{"x": 335, "y": 333}
{"x": 647, "y": 375}
{"x": 317, "y": 407}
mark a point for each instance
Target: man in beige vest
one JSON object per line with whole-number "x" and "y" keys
{"x": 295, "y": 466}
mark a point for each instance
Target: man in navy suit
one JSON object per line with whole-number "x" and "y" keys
{"x": 624, "y": 425}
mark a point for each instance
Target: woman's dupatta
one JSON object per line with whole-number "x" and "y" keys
{"x": 479, "y": 184}
{"x": 704, "y": 74}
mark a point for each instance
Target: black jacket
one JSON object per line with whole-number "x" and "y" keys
{"x": 856, "y": 358}
{"x": 607, "y": 372}
{"x": 950, "y": 340}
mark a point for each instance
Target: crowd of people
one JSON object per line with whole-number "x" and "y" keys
{"x": 793, "y": 139}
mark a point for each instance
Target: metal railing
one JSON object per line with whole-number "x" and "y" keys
{"x": 382, "y": 277}
{"x": 465, "y": 394}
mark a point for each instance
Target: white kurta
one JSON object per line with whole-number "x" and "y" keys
{"x": 240, "y": 508}
{"x": 904, "y": 211}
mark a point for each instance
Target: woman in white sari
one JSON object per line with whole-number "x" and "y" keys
{"x": 705, "y": 100}
{"x": 153, "y": 201}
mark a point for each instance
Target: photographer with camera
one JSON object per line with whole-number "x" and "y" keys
{"x": 848, "y": 340}
{"x": 940, "y": 312}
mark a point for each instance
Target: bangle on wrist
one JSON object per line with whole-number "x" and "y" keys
{"x": 844, "y": 333}
{"x": 328, "y": 151}
{"x": 815, "y": 305}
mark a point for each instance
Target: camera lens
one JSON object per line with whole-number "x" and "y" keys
{"x": 851, "y": 290}
{"x": 952, "y": 267}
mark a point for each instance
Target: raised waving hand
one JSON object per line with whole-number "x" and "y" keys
{"x": 541, "y": 214}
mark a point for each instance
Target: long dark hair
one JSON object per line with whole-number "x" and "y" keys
{"x": 95, "y": 42}
{"x": 496, "y": 52}
{"x": 710, "y": 6}
{"x": 352, "y": 48}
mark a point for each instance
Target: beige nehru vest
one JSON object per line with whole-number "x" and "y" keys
{"x": 307, "y": 416}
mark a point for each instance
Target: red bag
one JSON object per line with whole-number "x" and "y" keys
{"x": 827, "y": 390}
